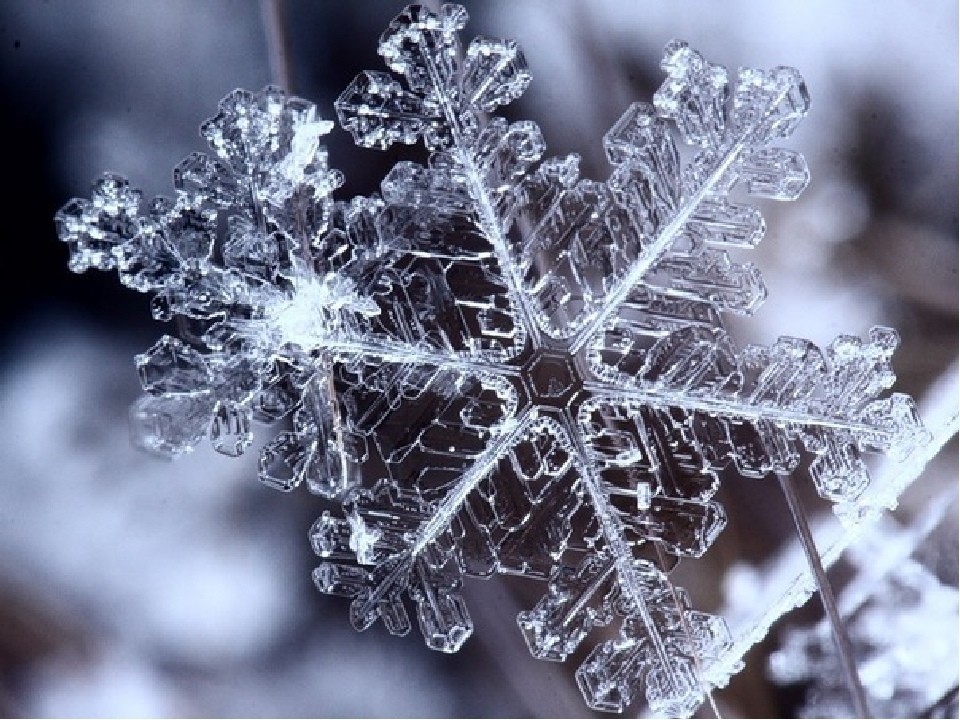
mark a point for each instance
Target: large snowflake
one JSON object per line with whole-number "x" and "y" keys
{"x": 496, "y": 366}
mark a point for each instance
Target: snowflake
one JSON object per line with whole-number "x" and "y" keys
{"x": 495, "y": 366}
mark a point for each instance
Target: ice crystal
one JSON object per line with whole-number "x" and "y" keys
{"x": 494, "y": 365}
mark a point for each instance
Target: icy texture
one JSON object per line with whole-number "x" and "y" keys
{"x": 902, "y": 627}
{"x": 757, "y": 597}
{"x": 495, "y": 365}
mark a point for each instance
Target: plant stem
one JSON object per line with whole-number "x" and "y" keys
{"x": 840, "y": 637}
{"x": 272, "y": 13}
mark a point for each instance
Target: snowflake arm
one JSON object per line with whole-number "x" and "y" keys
{"x": 225, "y": 256}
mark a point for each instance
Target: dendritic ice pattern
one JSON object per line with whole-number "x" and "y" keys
{"x": 494, "y": 365}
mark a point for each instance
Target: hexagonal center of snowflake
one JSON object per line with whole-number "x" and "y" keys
{"x": 551, "y": 378}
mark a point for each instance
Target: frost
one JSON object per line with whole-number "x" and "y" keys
{"x": 494, "y": 365}
{"x": 897, "y": 614}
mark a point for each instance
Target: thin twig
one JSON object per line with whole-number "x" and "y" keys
{"x": 943, "y": 706}
{"x": 840, "y": 637}
{"x": 271, "y": 12}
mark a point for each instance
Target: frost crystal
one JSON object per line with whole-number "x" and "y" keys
{"x": 495, "y": 366}
{"x": 898, "y": 614}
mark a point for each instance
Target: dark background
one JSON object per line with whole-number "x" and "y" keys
{"x": 132, "y": 586}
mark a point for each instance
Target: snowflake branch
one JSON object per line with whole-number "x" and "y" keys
{"x": 452, "y": 502}
{"x": 614, "y": 535}
{"x": 727, "y": 407}
{"x": 654, "y": 252}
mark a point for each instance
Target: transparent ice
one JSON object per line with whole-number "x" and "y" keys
{"x": 495, "y": 365}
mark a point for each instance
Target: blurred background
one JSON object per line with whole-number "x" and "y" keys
{"x": 135, "y": 586}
